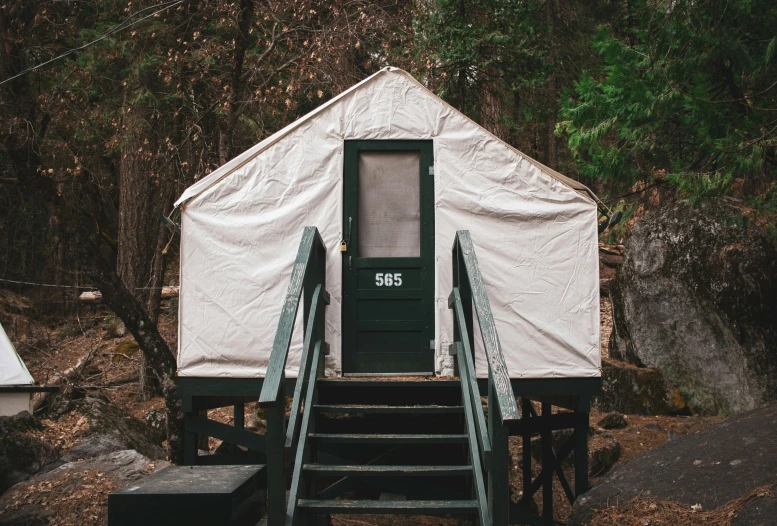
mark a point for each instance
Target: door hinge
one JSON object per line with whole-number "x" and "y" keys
{"x": 431, "y": 170}
{"x": 432, "y": 345}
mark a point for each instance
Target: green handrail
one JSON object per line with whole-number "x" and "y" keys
{"x": 307, "y": 282}
{"x": 303, "y": 276}
{"x": 469, "y": 282}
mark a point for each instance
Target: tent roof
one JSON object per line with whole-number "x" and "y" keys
{"x": 223, "y": 171}
{"x": 12, "y": 368}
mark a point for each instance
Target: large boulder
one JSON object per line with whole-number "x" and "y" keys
{"x": 75, "y": 492}
{"x": 22, "y": 453}
{"x": 696, "y": 297}
{"x": 715, "y": 468}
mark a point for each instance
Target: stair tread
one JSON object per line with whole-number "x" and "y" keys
{"x": 363, "y": 506}
{"x": 371, "y": 437}
{"x": 371, "y": 469}
{"x": 377, "y": 408}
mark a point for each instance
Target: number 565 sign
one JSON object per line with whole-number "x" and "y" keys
{"x": 388, "y": 279}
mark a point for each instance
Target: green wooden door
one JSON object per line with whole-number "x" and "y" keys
{"x": 388, "y": 266}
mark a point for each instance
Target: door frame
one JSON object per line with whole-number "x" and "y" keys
{"x": 349, "y": 316}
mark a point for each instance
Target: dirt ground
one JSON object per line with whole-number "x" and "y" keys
{"x": 51, "y": 348}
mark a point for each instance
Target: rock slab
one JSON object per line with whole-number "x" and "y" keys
{"x": 696, "y": 297}
{"x": 711, "y": 467}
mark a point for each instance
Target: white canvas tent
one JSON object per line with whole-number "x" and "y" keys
{"x": 534, "y": 230}
{"x": 14, "y": 377}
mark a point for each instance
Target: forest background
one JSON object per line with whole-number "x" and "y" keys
{"x": 150, "y": 96}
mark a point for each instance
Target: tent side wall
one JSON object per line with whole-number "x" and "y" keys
{"x": 535, "y": 239}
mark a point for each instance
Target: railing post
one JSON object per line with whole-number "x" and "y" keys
{"x": 275, "y": 437}
{"x": 461, "y": 280}
{"x": 498, "y": 476}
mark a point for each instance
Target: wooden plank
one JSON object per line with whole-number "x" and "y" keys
{"x": 551, "y": 423}
{"x": 304, "y": 366}
{"x": 389, "y": 409}
{"x": 508, "y": 410}
{"x": 498, "y": 475}
{"x": 581, "y": 453}
{"x": 526, "y": 447}
{"x": 469, "y": 383}
{"x": 393, "y": 439}
{"x": 390, "y": 471}
{"x": 547, "y": 463}
{"x": 280, "y": 348}
{"x": 200, "y": 424}
{"x": 404, "y": 507}
{"x": 295, "y": 492}
{"x": 276, "y": 477}
{"x": 479, "y": 485}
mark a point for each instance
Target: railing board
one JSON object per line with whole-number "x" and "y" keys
{"x": 280, "y": 348}
{"x": 496, "y": 362}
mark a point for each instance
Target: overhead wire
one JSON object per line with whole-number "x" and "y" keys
{"x": 120, "y": 27}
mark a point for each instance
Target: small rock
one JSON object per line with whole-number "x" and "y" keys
{"x": 653, "y": 427}
{"x": 21, "y": 454}
{"x": 613, "y": 420}
{"x": 604, "y": 457}
{"x": 116, "y": 329}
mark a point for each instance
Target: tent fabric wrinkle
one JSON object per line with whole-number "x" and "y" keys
{"x": 534, "y": 230}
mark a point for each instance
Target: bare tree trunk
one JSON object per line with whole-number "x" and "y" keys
{"x": 551, "y": 155}
{"x": 227, "y": 131}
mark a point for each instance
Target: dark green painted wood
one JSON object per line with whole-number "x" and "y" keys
{"x": 233, "y": 435}
{"x": 389, "y": 471}
{"x": 276, "y": 477}
{"x": 581, "y": 454}
{"x": 311, "y": 248}
{"x": 387, "y": 439}
{"x": 405, "y": 507}
{"x": 526, "y": 413}
{"x": 387, "y": 330}
{"x": 224, "y": 387}
{"x": 305, "y": 364}
{"x": 556, "y": 386}
{"x": 500, "y": 377}
{"x": 239, "y": 416}
{"x": 297, "y": 490}
{"x": 470, "y": 386}
{"x": 389, "y": 409}
{"x": 547, "y": 465}
{"x": 549, "y": 423}
{"x": 470, "y": 410}
{"x": 189, "y": 442}
{"x": 380, "y": 383}
{"x": 498, "y": 475}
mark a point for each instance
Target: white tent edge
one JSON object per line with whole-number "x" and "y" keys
{"x": 13, "y": 371}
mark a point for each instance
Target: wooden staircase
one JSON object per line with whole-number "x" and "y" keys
{"x": 402, "y": 446}
{"x": 387, "y": 446}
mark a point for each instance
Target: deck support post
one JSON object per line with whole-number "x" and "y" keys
{"x": 581, "y": 453}
{"x": 498, "y": 476}
{"x": 240, "y": 416}
{"x": 189, "y": 442}
{"x": 526, "y": 409}
{"x": 548, "y": 461}
{"x": 276, "y": 478}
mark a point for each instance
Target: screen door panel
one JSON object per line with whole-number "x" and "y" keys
{"x": 389, "y": 204}
{"x": 388, "y": 264}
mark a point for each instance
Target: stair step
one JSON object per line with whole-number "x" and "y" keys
{"x": 383, "y": 383}
{"x": 405, "y": 507}
{"x": 413, "y": 409}
{"x": 367, "y": 470}
{"x": 387, "y": 439}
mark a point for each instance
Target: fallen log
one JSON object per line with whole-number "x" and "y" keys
{"x": 94, "y": 296}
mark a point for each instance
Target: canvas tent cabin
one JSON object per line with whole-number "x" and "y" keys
{"x": 16, "y": 382}
{"x": 394, "y": 172}
{"x": 422, "y": 247}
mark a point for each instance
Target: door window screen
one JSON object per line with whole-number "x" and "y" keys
{"x": 389, "y": 204}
